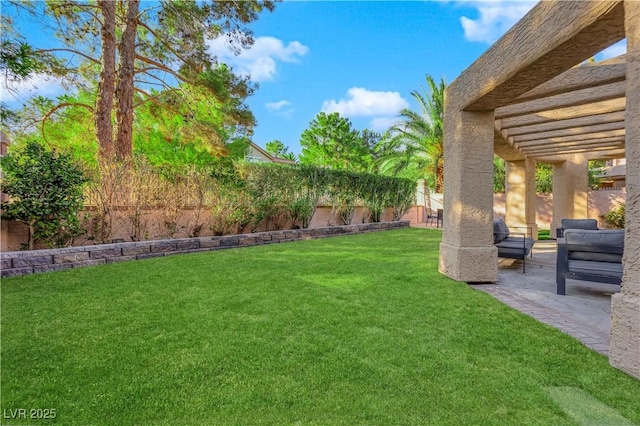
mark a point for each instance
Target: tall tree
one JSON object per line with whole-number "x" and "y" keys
{"x": 331, "y": 141}
{"x": 278, "y": 149}
{"x": 416, "y": 143}
{"x": 178, "y": 136}
{"x": 371, "y": 141}
{"x": 162, "y": 46}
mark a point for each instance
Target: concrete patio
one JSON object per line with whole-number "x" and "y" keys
{"x": 584, "y": 313}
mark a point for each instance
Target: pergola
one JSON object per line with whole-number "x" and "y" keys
{"x": 532, "y": 98}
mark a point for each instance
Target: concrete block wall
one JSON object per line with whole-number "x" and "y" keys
{"x": 36, "y": 261}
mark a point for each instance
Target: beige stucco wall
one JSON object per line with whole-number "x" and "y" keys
{"x": 599, "y": 203}
{"x": 14, "y": 234}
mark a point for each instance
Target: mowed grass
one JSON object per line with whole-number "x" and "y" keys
{"x": 544, "y": 234}
{"x": 348, "y": 330}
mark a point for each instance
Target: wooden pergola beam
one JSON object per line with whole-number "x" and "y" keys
{"x": 570, "y": 145}
{"x": 522, "y": 60}
{"x": 573, "y": 150}
{"x": 564, "y": 100}
{"x": 503, "y": 149}
{"x": 576, "y": 138}
{"x": 578, "y": 78}
{"x": 565, "y": 148}
{"x": 575, "y": 131}
{"x": 570, "y": 123}
{"x": 604, "y": 107}
{"x": 596, "y": 155}
{"x": 605, "y": 140}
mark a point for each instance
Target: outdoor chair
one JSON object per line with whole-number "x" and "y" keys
{"x": 589, "y": 224}
{"x": 589, "y": 255}
{"x": 510, "y": 245}
{"x": 434, "y": 215}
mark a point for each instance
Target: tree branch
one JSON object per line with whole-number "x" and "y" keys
{"x": 145, "y": 71}
{"x": 60, "y": 106}
{"x": 151, "y": 98}
{"x": 159, "y": 38}
{"x": 95, "y": 61}
{"x": 161, "y": 67}
{"x": 194, "y": 123}
{"x": 146, "y": 11}
{"x": 149, "y": 83}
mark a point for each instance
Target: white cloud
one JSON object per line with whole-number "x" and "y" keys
{"x": 383, "y": 107}
{"x": 276, "y": 106}
{"x": 382, "y": 124}
{"x": 287, "y": 113}
{"x": 617, "y": 49}
{"x": 279, "y": 108}
{"x": 35, "y": 85}
{"x": 260, "y": 60}
{"x": 495, "y": 18}
{"x": 363, "y": 102}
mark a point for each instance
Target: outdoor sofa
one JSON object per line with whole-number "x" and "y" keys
{"x": 589, "y": 255}
{"x": 576, "y": 224}
{"x": 511, "y": 245}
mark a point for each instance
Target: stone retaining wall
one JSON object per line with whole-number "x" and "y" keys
{"x": 36, "y": 261}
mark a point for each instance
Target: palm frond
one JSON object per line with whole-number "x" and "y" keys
{"x": 416, "y": 142}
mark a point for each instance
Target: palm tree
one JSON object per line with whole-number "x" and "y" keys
{"x": 414, "y": 147}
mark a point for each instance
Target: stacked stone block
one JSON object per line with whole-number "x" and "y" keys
{"x": 36, "y": 261}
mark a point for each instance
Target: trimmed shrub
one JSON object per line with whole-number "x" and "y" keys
{"x": 615, "y": 217}
{"x": 45, "y": 190}
{"x": 273, "y": 195}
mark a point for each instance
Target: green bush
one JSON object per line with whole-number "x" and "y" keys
{"x": 45, "y": 190}
{"x": 615, "y": 217}
{"x": 309, "y": 184}
{"x": 401, "y": 195}
{"x": 499, "y": 174}
{"x": 231, "y": 208}
{"x": 274, "y": 194}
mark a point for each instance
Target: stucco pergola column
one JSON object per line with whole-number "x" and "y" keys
{"x": 520, "y": 204}
{"x": 624, "y": 349}
{"x": 570, "y": 186}
{"x": 467, "y": 252}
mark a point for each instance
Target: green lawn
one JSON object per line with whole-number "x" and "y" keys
{"x": 544, "y": 234}
{"x": 348, "y": 330}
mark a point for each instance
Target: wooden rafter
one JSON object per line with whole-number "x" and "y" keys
{"x": 611, "y": 143}
{"x": 574, "y": 138}
{"x": 603, "y": 107}
{"x": 564, "y": 100}
{"x": 570, "y": 123}
{"x": 572, "y": 131}
{"x": 577, "y": 30}
{"x": 578, "y": 78}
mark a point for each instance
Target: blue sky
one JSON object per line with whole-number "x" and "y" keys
{"x": 359, "y": 58}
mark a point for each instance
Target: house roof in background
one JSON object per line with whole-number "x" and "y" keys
{"x": 271, "y": 157}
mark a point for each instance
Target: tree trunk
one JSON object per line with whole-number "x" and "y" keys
{"x": 440, "y": 177}
{"x": 32, "y": 231}
{"x": 106, "y": 86}
{"x": 124, "y": 85}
